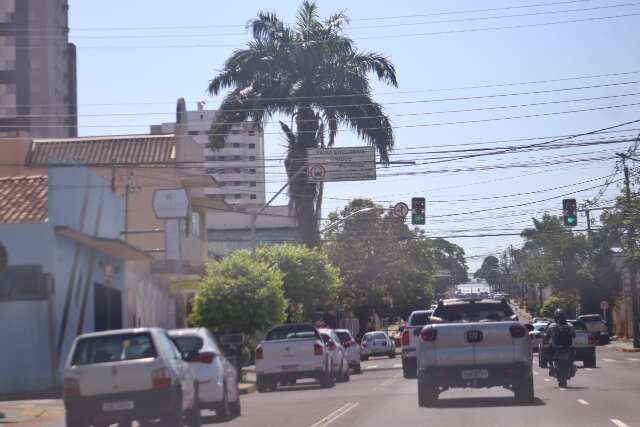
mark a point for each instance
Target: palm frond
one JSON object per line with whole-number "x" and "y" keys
{"x": 266, "y": 26}
{"x": 379, "y": 64}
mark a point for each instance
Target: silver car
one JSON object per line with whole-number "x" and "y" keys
{"x": 351, "y": 349}
{"x": 377, "y": 344}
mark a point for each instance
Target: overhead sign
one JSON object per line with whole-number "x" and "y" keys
{"x": 341, "y": 164}
{"x": 400, "y": 210}
{"x": 604, "y": 305}
{"x": 170, "y": 203}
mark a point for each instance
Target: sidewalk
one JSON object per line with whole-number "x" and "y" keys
{"x": 31, "y": 411}
{"x": 623, "y": 344}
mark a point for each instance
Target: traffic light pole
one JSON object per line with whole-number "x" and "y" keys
{"x": 632, "y": 265}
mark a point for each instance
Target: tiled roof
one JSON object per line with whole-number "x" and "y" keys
{"x": 104, "y": 150}
{"x": 23, "y": 199}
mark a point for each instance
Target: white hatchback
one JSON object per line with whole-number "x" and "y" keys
{"x": 130, "y": 374}
{"x": 351, "y": 349}
{"x": 215, "y": 375}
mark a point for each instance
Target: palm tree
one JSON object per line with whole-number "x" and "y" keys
{"x": 312, "y": 73}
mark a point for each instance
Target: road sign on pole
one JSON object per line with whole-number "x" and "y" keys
{"x": 341, "y": 164}
{"x": 604, "y": 305}
{"x": 170, "y": 203}
{"x": 400, "y": 210}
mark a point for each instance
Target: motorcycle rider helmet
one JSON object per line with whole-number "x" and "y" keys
{"x": 559, "y": 316}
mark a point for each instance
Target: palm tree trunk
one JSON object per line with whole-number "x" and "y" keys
{"x": 303, "y": 193}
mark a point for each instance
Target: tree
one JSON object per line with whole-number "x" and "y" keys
{"x": 239, "y": 294}
{"x": 314, "y": 74}
{"x": 308, "y": 276}
{"x": 489, "y": 271}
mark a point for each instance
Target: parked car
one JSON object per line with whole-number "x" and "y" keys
{"x": 129, "y": 374}
{"x": 474, "y": 344}
{"x": 351, "y": 348}
{"x": 583, "y": 344}
{"x": 597, "y": 327}
{"x": 536, "y": 335}
{"x": 541, "y": 320}
{"x": 410, "y": 335}
{"x": 377, "y": 344}
{"x": 216, "y": 376}
{"x": 337, "y": 352}
{"x": 290, "y": 352}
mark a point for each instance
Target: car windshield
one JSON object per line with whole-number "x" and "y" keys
{"x": 292, "y": 332}
{"x": 188, "y": 343}
{"x": 344, "y": 336}
{"x": 578, "y": 325}
{"x": 540, "y": 327}
{"x": 472, "y": 312}
{"x": 591, "y": 318}
{"x": 419, "y": 318}
{"x": 113, "y": 348}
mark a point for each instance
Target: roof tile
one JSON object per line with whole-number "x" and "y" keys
{"x": 23, "y": 199}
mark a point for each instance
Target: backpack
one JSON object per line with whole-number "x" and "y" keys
{"x": 563, "y": 336}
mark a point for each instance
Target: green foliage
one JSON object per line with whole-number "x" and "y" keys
{"x": 490, "y": 271}
{"x": 239, "y": 294}
{"x": 567, "y": 302}
{"x": 309, "y": 278}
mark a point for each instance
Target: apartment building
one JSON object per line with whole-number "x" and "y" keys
{"x": 238, "y": 167}
{"x": 38, "y": 92}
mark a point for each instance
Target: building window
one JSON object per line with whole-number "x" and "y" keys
{"x": 253, "y": 197}
{"x": 222, "y": 183}
{"x": 237, "y": 183}
{"x": 193, "y": 132}
{"x": 252, "y": 184}
{"x": 210, "y": 158}
{"x": 237, "y": 170}
{"x": 211, "y": 170}
{"x": 252, "y": 133}
{"x": 252, "y": 146}
{"x": 235, "y": 132}
{"x": 236, "y": 145}
{"x": 221, "y": 158}
{"x": 251, "y": 170}
{"x": 252, "y": 158}
{"x": 4, "y": 258}
{"x": 236, "y": 157}
{"x": 237, "y": 196}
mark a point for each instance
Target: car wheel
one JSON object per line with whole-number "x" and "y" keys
{"x": 327, "y": 380}
{"x": 73, "y": 419}
{"x": 409, "y": 369}
{"x": 357, "y": 369}
{"x": 345, "y": 376}
{"x": 235, "y": 408}
{"x": 392, "y": 355}
{"x": 261, "y": 384}
{"x": 542, "y": 362}
{"x": 427, "y": 393}
{"x": 223, "y": 412}
{"x": 272, "y": 384}
{"x": 523, "y": 392}
{"x": 193, "y": 418}
{"x": 364, "y": 358}
{"x": 174, "y": 419}
{"x": 589, "y": 362}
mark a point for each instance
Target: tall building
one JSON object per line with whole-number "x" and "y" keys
{"x": 38, "y": 92}
{"x": 238, "y": 167}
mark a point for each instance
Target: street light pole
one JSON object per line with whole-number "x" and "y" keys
{"x": 632, "y": 247}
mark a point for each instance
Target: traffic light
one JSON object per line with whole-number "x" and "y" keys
{"x": 569, "y": 212}
{"x": 417, "y": 211}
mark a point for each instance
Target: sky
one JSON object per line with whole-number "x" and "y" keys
{"x": 495, "y": 77}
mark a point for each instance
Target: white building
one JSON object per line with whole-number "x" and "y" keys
{"x": 238, "y": 167}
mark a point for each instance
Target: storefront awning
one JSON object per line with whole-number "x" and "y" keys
{"x": 113, "y": 247}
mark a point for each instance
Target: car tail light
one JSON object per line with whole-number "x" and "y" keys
{"x": 429, "y": 334}
{"x": 160, "y": 378}
{"x": 259, "y": 353}
{"x": 591, "y": 340}
{"x": 71, "y": 387}
{"x": 206, "y": 357}
{"x": 517, "y": 331}
{"x": 405, "y": 337}
{"x": 318, "y": 350}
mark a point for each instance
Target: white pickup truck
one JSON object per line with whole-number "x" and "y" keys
{"x": 474, "y": 343}
{"x": 290, "y": 352}
{"x": 410, "y": 336}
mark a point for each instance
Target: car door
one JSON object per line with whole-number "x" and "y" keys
{"x": 183, "y": 372}
{"x": 228, "y": 368}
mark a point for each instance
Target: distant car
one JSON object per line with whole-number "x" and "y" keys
{"x": 597, "y": 327}
{"x": 583, "y": 345}
{"x": 216, "y": 376}
{"x": 351, "y": 348}
{"x": 410, "y": 336}
{"x": 377, "y": 344}
{"x": 539, "y": 320}
{"x": 338, "y": 356}
{"x": 130, "y": 374}
{"x": 536, "y": 335}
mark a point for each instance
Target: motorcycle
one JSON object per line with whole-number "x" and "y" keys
{"x": 563, "y": 366}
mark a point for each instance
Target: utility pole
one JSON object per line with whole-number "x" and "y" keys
{"x": 632, "y": 247}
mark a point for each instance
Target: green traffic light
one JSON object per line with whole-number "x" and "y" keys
{"x": 571, "y": 220}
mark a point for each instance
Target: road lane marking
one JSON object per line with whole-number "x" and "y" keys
{"x": 387, "y": 382}
{"x": 633, "y": 359}
{"x": 371, "y": 367}
{"x": 618, "y": 422}
{"x": 535, "y": 373}
{"x": 583, "y": 402}
{"x": 547, "y": 379}
{"x": 607, "y": 360}
{"x": 397, "y": 365}
{"x": 588, "y": 369}
{"x": 336, "y": 414}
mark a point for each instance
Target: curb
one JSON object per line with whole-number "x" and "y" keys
{"x": 628, "y": 350}
{"x": 246, "y": 388}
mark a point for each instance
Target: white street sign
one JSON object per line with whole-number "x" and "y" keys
{"x": 401, "y": 210}
{"x": 170, "y": 203}
{"x": 341, "y": 164}
{"x": 604, "y": 305}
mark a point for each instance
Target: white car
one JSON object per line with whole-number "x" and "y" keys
{"x": 377, "y": 344}
{"x": 128, "y": 374}
{"x": 337, "y": 352}
{"x": 351, "y": 348}
{"x": 536, "y": 335}
{"x": 215, "y": 375}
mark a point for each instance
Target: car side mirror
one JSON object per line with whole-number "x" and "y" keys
{"x": 529, "y": 327}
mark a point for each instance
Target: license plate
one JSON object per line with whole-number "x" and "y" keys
{"x": 289, "y": 368}
{"x": 475, "y": 374}
{"x": 117, "y": 406}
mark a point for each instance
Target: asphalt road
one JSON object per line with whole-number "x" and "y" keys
{"x": 608, "y": 395}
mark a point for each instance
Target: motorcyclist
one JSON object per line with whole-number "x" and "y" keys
{"x": 554, "y": 338}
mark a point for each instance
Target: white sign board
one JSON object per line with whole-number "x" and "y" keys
{"x": 341, "y": 164}
{"x": 170, "y": 203}
{"x": 604, "y": 305}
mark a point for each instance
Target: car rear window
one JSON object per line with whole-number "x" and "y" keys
{"x": 344, "y": 337}
{"x": 114, "y": 348}
{"x": 472, "y": 312}
{"x": 188, "y": 343}
{"x": 419, "y": 318}
{"x": 379, "y": 336}
{"x": 578, "y": 326}
{"x": 291, "y": 332}
{"x": 591, "y": 318}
